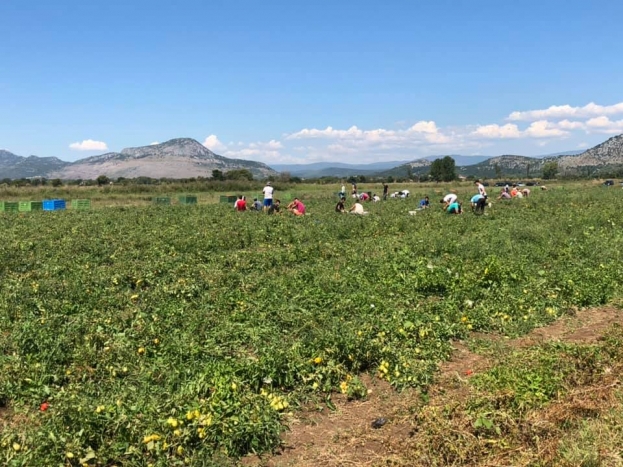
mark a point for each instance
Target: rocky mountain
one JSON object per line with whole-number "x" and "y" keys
{"x": 13, "y": 166}
{"x": 177, "y": 158}
{"x": 608, "y": 153}
{"x": 509, "y": 165}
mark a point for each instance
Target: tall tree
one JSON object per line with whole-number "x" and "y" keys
{"x": 550, "y": 169}
{"x": 443, "y": 170}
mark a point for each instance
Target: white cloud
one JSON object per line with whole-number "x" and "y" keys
{"x": 424, "y": 127}
{"x": 605, "y": 125}
{"x": 544, "y": 129}
{"x": 495, "y": 131}
{"x": 570, "y": 125}
{"x": 582, "y": 145}
{"x": 539, "y": 129}
{"x": 89, "y": 145}
{"x": 557, "y": 112}
{"x": 213, "y": 144}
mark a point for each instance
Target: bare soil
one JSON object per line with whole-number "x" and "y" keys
{"x": 346, "y": 437}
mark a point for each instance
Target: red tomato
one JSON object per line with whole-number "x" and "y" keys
{"x": 44, "y": 406}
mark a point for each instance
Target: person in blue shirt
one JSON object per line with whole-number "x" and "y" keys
{"x": 257, "y": 206}
{"x": 424, "y": 203}
{"x": 478, "y": 202}
{"x": 454, "y": 208}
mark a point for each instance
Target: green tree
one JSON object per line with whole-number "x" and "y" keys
{"x": 443, "y": 170}
{"x": 217, "y": 175}
{"x": 550, "y": 169}
{"x": 102, "y": 180}
{"x": 57, "y": 182}
{"x": 239, "y": 174}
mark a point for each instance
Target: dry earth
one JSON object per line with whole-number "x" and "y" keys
{"x": 345, "y": 437}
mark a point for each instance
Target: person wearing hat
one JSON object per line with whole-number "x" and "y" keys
{"x": 268, "y": 196}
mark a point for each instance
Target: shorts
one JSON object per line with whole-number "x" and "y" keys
{"x": 268, "y": 202}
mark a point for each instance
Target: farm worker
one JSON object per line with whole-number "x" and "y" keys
{"x": 424, "y": 203}
{"x": 385, "y": 190}
{"x": 268, "y": 195}
{"x": 339, "y": 207}
{"x": 514, "y": 191}
{"x": 296, "y": 207}
{"x": 404, "y": 194}
{"x": 354, "y": 189}
{"x": 343, "y": 192}
{"x": 241, "y": 204}
{"x": 364, "y": 196}
{"x": 478, "y": 203}
{"x": 454, "y": 208}
{"x": 275, "y": 208}
{"x": 481, "y": 188}
{"x": 448, "y": 200}
{"x": 526, "y": 192}
{"x": 376, "y": 198}
{"x": 506, "y": 188}
{"x": 257, "y": 206}
{"x": 356, "y": 208}
{"x": 504, "y": 195}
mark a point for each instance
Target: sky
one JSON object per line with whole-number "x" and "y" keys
{"x": 301, "y": 82}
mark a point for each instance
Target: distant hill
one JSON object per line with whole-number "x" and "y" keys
{"x": 177, "y": 158}
{"x": 509, "y": 165}
{"x": 13, "y": 166}
{"x": 337, "y": 169}
{"x": 607, "y": 154}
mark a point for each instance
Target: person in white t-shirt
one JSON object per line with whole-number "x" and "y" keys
{"x": 481, "y": 189}
{"x": 448, "y": 200}
{"x": 268, "y": 196}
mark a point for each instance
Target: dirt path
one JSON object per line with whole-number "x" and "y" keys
{"x": 346, "y": 437}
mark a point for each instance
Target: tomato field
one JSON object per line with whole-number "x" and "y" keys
{"x": 186, "y": 335}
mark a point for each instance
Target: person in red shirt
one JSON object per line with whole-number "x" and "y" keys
{"x": 296, "y": 207}
{"x": 241, "y": 204}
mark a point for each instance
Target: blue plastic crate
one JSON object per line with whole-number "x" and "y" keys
{"x": 53, "y": 204}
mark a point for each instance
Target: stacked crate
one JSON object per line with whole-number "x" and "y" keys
{"x": 9, "y": 206}
{"x": 81, "y": 204}
{"x": 54, "y": 204}
{"x": 228, "y": 199}
{"x": 187, "y": 199}
{"x": 27, "y": 206}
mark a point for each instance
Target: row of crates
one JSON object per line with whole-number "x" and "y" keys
{"x": 184, "y": 199}
{"x": 45, "y": 205}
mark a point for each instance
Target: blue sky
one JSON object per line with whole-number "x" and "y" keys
{"x": 284, "y": 81}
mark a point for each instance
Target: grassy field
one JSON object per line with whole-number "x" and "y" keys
{"x": 139, "y": 335}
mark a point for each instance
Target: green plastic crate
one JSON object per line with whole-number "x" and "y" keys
{"x": 27, "y": 206}
{"x": 162, "y": 200}
{"x": 9, "y": 206}
{"x": 228, "y": 199}
{"x": 187, "y": 199}
{"x": 82, "y": 204}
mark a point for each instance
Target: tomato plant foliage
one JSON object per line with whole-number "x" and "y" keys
{"x": 171, "y": 334}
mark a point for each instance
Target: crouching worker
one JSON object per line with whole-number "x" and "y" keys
{"x": 296, "y": 207}
{"x": 339, "y": 207}
{"x": 478, "y": 203}
{"x": 275, "y": 208}
{"x": 454, "y": 208}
